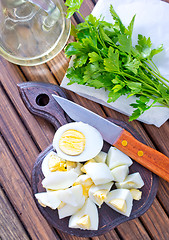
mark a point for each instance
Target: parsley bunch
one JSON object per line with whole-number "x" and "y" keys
{"x": 105, "y": 58}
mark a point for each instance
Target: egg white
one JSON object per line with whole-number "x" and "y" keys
{"x": 89, "y": 209}
{"x": 99, "y": 173}
{"x": 117, "y": 158}
{"x": 45, "y": 167}
{"x": 120, "y": 194}
{"x": 133, "y": 180}
{"x": 93, "y": 145}
{"x": 95, "y": 188}
{"x": 49, "y": 199}
{"x": 59, "y": 180}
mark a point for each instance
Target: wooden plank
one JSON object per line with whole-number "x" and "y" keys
{"x": 163, "y": 195}
{"x": 156, "y": 222}
{"x": 133, "y": 230}
{"x": 18, "y": 139}
{"x": 20, "y": 195}
{"x": 10, "y": 75}
{"x": 10, "y": 226}
{"x": 16, "y": 136}
{"x": 77, "y": 98}
{"x": 110, "y": 235}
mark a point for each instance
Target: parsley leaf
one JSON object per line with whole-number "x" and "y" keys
{"x": 73, "y": 6}
{"x": 106, "y": 58}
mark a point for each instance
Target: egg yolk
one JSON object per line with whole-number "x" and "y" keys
{"x": 71, "y": 165}
{"x": 72, "y": 142}
{"x": 136, "y": 194}
{"x": 84, "y": 222}
{"x": 120, "y": 204}
{"x": 85, "y": 186}
{"x": 100, "y": 196}
{"x": 56, "y": 164}
{"x": 61, "y": 205}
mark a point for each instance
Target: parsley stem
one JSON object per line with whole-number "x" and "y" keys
{"x": 156, "y": 75}
{"x": 142, "y": 81}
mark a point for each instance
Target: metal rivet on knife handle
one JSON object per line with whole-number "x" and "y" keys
{"x": 140, "y": 153}
{"x": 124, "y": 143}
{"x": 143, "y": 154}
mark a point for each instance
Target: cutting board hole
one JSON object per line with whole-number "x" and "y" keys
{"x": 42, "y": 100}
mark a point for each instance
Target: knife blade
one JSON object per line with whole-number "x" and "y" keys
{"x": 150, "y": 158}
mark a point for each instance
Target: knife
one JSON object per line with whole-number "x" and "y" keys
{"x": 119, "y": 138}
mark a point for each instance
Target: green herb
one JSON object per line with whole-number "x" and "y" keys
{"x": 106, "y": 58}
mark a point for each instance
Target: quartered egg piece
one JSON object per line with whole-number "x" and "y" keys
{"x": 120, "y": 173}
{"x": 59, "y": 180}
{"x": 120, "y": 200}
{"x": 89, "y": 161}
{"x": 133, "y": 180}
{"x": 86, "y": 218}
{"x": 117, "y": 158}
{"x": 136, "y": 194}
{"x": 98, "y": 193}
{"x": 72, "y": 196}
{"x": 68, "y": 210}
{"x": 99, "y": 173}
{"x": 86, "y": 182}
{"x": 77, "y": 142}
{"x": 48, "y": 199}
{"x": 101, "y": 157}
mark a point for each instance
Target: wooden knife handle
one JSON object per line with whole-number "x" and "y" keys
{"x": 146, "y": 156}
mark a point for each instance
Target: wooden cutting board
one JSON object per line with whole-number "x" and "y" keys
{"x": 38, "y": 99}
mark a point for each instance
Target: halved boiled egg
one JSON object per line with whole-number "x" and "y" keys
{"x": 48, "y": 199}
{"x": 120, "y": 200}
{"x": 117, "y": 158}
{"x": 77, "y": 142}
{"x": 99, "y": 172}
{"x": 98, "y": 193}
{"x": 59, "y": 180}
{"x": 67, "y": 210}
{"x": 133, "y": 180}
{"x": 86, "y": 218}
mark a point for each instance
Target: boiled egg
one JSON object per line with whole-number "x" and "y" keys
{"x": 48, "y": 199}
{"x": 67, "y": 210}
{"x": 99, "y": 173}
{"x": 59, "y": 180}
{"x": 86, "y": 218}
{"x": 86, "y": 182}
{"x": 72, "y": 196}
{"x": 98, "y": 193}
{"x": 76, "y": 166}
{"x": 101, "y": 157}
{"x": 120, "y": 200}
{"x": 133, "y": 180}
{"x": 117, "y": 158}
{"x": 136, "y": 194}
{"x": 50, "y": 157}
{"x": 120, "y": 173}
{"x": 77, "y": 142}
{"x": 89, "y": 161}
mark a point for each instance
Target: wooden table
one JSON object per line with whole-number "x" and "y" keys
{"x": 23, "y": 136}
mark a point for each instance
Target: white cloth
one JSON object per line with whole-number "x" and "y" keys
{"x": 152, "y": 20}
